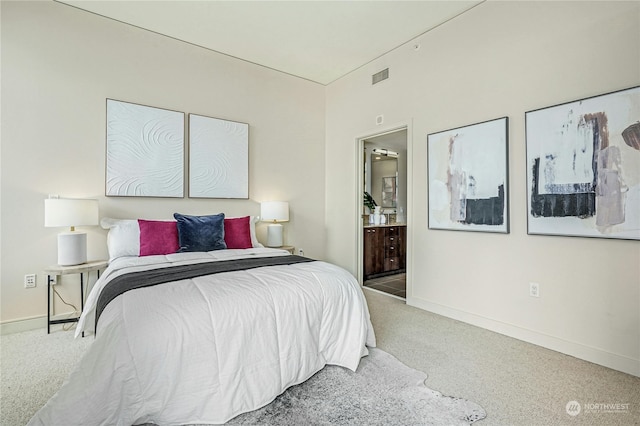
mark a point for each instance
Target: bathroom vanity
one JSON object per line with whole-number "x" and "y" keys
{"x": 384, "y": 248}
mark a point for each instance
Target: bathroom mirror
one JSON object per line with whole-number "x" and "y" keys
{"x": 385, "y": 171}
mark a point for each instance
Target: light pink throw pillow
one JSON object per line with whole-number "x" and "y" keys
{"x": 158, "y": 237}
{"x": 237, "y": 232}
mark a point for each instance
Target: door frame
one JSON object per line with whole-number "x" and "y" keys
{"x": 359, "y": 146}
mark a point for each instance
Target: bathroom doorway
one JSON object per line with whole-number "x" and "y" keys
{"x": 384, "y": 191}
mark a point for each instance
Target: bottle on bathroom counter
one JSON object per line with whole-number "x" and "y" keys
{"x": 376, "y": 215}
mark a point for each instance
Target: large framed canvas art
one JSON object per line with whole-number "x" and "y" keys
{"x": 218, "y": 158}
{"x": 468, "y": 177}
{"x": 583, "y": 167}
{"x": 145, "y": 151}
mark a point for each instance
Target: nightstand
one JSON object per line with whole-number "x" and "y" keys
{"x": 84, "y": 268}
{"x": 290, "y": 249}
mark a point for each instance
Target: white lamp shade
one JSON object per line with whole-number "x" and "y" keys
{"x": 70, "y": 212}
{"x": 274, "y": 211}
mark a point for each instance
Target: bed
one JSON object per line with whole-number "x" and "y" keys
{"x": 226, "y": 333}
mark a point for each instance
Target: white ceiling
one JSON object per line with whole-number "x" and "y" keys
{"x": 320, "y": 41}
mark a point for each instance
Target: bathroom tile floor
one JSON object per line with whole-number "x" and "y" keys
{"x": 392, "y": 284}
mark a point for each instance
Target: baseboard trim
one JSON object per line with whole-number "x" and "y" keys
{"x": 578, "y": 350}
{"x": 24, "y": 324}
{"x": 28, "y": 324}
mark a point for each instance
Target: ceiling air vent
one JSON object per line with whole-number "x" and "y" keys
{"x": 380, "y": 76}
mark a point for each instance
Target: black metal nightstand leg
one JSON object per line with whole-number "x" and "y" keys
{"x": 81, "y": 292}
{"x": 48, "y": 304}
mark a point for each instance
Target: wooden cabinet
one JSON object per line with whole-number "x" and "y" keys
{"x": 373, "y": 251}
{"x": 384, "y": 250}
{"x": 392, "y": 248}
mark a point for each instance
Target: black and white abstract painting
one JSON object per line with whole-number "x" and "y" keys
{"x": 218, "y": 158}
{"x": 145, "y": 151}
{"x": 583, "y": 167}
{"x": 468, "y": 177}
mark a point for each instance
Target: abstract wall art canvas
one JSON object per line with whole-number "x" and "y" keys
{"x": 145, "y": 151}
{"x": 468, "y": 177}
{"x": 218, "y": 158}
{"x": 583, "y": 167}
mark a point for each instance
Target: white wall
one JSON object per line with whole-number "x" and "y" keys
{"x": 59, "y": 64}
{"x": 499, "y": 59}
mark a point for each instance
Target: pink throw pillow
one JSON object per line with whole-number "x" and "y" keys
{"x": 237, "y": 233}
{"x": 158, "y": 237}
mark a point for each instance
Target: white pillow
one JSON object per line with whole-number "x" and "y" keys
{"x": 123, "y": 238}
{"x": 252, "y": 227}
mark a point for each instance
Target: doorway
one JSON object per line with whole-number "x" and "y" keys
{"x": 384, "y": 188}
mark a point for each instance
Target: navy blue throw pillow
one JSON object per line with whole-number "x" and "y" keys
{"x": 200, "y": 233}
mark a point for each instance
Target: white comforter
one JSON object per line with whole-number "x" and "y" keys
{"x": 206, "y": 349}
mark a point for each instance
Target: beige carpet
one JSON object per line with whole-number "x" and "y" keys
{"x": 517, "y": 383}
{"x": 33, "y": 365}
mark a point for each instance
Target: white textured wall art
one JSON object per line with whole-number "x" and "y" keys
{"x": 583, "y": 167}
{"x": 145, "y": 151}
{"x": 218, "y": 158}
{"x": 468, "y": 177}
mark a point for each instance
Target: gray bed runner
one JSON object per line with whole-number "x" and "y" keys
{"x": 134, "y": 280}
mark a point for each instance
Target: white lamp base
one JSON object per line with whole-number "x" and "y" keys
{"x": 72, "y": 248}
{"x": 274, "y": 235}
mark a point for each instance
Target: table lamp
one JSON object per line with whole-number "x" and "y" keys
{"x": 72, "y": 245}
{"x": 274, "y": 212}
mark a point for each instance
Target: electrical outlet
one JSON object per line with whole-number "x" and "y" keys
{"x": 300, "y": 252}
{"x": 534, "y": 289}
{"x": 53, "y": 279}
{"x": 29, "y": 280}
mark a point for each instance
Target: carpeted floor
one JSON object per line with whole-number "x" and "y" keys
{"x": 515, "y": 382}
{"x": 33, "y": 365}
